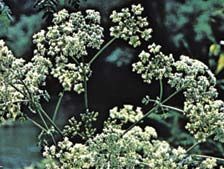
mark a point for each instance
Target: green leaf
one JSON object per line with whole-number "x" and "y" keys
{"x": 214, "y": 49}
{"x": 220, "y": 64}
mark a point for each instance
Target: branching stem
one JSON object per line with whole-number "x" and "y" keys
{"x": 151, "y": 111}
{"x": 57, "y": 106}
{"x": 101, "y": 50}
{"x": 206, "y": 156}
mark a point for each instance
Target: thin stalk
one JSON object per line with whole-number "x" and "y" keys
{"x": 166, "y": 106}
{"x": 32, "y": 101}
{"x": 40, "y": 111}
{"x": 146, "y": 115}
{"x": 161, "y": 89}
{"x": 192, "y": 147}
{"x": 50, "y": 120}
{"x": 172, "y": 108}
{"x": 57, "y": 106}
{"x": 206, "y": 156}
{"x": 85, "y": 87}
{"x": 75, "y": 60}
{"x": 43, "y": 120}
{"x": 150, "y": 111}
{"x": 101, "y": 50}
{"x": 170, "y": 96}
{"x": 16, "y": 101}
{"x": 45, "y": 123}
{"x": 28, "y": 90}
{"x": 18, "y": 90}
{"x": 36, "y": 124}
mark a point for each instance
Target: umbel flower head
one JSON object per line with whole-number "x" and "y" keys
{"x": 66, "y": 42}
{"x": 153, "y": 64}
{"x": 205, "y": 119}
{"x": 205, "y": 114}
{"x": 195, "y": 78}
{"x": 138, "y": 148}
{"x": 19, "y": 82}
{"x": 130, "y": 25}
{"x": 117, "y": 148}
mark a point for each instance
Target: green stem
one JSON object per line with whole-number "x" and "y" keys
{"x": 172, "y": 108}
{"x": 161, "y": 89}
{"x": 26, "y": 87}
{"x": 101, "y": 50}
{"x": 17, "y": 89}
{"x": 206, "y": 156}
{"x": 85, "y": 87}
{"x": 57, "y": 106}
{"x": 43, "y": 120}
{"x": 37, "y": 109}
{"x": 166, "y": 106}
{"x": 40, "y": 111}
{"x": 36, "y": 124}
{"x": 50, "y": 120}
{"x": 146, "y": 115}
{"x": 150, "y": 111}
{"x": 47, "y": 128}
{"x": 192, "y": 147}
{"x": 75, "y": 60}
{"x": 170, "y": 96}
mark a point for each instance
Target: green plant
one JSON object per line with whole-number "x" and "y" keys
{"x": 5, "y": 16}
{"x": 51, "y": 6}
{"x": 193, "y": 18}
{"x": 19, "y": 35}
{"x": 62, "y": 50}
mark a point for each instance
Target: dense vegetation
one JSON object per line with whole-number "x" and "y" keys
{"x": 66, "y": 51}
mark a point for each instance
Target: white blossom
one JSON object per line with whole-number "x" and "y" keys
{"x": 66, "y": 41}
{"x": 130, "y": 25}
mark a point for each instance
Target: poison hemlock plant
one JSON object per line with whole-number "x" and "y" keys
{"x": 61, "y": 51}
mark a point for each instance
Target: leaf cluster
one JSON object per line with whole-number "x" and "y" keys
{"x": 51, "y": 6}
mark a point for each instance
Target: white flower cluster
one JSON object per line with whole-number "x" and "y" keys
{"x": 83, "y": 127}
{"x": 194, "y": 77}
{"x": 137, "y": 149}
{"x": 126, "y": 114}
{"x": 19, "y": 82}
{"x": 38, "y": 69}
{"x": 130, "y": 25}
{"x": 205, "y": 114}
{"x": 153, "y": 64}
{"x": 110, "y": 149}
{"x": 205, "y": 119}
{"x": 66, "y": 42}
{"x": 68, "y": 156}
{"x": 71, "y": 75}
{"x": 209, "y": 163}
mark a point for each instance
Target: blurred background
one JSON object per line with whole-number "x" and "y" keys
{"x": 188, "y": 27}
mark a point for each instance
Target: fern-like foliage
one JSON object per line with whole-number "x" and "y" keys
{"x": 51, "y": 6}
{"x": 74, "y": 3}
{"x": 194, "y": 21}
{"x": 5, "y": 16}
{"x": 48, "y": 6}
